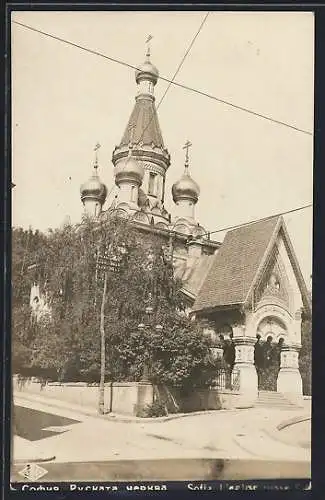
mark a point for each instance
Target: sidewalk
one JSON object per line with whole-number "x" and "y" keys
{"x": 25, "y": 451}
{"x": 92, "y": 412}
{"x": 237, "y": 434}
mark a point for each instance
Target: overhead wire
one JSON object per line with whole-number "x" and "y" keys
{"x": 177, "y": 70}
{"x": 236, "y": 226}
{"x": 171, "y": 81}
{"x": 181, "y": 85}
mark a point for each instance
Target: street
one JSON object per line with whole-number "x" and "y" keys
{"x": 90, "y": 448}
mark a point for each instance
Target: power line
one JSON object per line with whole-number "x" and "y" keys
{"x": 178, "y": 68}
{"x": 183, "y": 86}
{"x": 171, "y": 81}
{"x": 255, "y": 220}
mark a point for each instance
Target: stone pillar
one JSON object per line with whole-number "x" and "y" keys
{"x": 289, "y": 378}
{"x": 297, "y": 326}
{"x": 244, "y": 366}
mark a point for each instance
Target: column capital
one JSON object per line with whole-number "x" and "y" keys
{"x": 244, "y": 340}
{"x": 239, "y": 330}
{"x": 291, "y": 347}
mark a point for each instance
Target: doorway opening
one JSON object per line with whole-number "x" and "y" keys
{"x": 267, "y": 360}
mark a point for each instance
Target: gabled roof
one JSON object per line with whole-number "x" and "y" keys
{"x": 241, "y": 261}
{"x": 144, "y": 118}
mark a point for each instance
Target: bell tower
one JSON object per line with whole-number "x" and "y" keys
{"x": 148, "y": 145}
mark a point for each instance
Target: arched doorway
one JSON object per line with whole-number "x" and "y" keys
{"x": 270, "y": 337}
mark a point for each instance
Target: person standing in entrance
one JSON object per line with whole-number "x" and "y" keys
{"x": 258, "y": 359}
{"x": 229, "y": 355}
{"x": 276, "y": 362}
{"x": 267, "y": 363}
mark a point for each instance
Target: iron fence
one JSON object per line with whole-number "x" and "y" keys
{"x": 227, "y": 379}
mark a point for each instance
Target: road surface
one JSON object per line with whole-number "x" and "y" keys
{"x": 89, "y": 448}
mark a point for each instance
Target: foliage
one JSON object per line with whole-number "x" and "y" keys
{"x": 156, "y": 409}
{"x": 71, "y": 264}
{"x": 305, "y": 356}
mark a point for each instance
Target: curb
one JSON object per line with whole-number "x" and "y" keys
{"x": 293, "y": 420}
{"x": 120, "y": 418}
{"x": 273, "y": 432}
{"x": 19, "y": 461}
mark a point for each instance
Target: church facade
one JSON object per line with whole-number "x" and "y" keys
{"x": 247, "y": 287}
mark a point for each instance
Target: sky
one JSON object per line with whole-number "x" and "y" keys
{"x": 65, "y": 100}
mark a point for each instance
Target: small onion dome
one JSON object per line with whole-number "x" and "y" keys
{"x": 185, "y": 188}
{"x": 147, "y": 71}
{"x": 129, "y": 169}
{"x": 94, "y": 189}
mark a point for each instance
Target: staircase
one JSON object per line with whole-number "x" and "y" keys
{"x": 272, "y": 399}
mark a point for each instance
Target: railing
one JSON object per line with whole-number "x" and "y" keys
{"x": 227, "y": 380}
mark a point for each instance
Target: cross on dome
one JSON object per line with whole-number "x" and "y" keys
{"x": 147, "y": 71}
{"x": 149, "y": 38}
{"x": 96, "y": 148}
{"x": 186, "y": 188}
{"x": 187, "y": 146}
{"x": 94, "y": 190}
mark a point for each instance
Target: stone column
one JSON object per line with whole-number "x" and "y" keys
{"x": 289, "y": 378}
{"x": 244, "y": 367}
{"x": 297, "y": 326}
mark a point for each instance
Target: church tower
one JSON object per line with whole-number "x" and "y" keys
{"x": 144, "y": 135}
{"x": 93, "y": 192}
{"x": 186, "y": 192}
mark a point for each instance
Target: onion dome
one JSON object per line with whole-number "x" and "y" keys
{"x": 94, "y": 188}
{"x": 129, "y": 169}
{"x": 147, "y": 70}
{"x": 186, "y": 187}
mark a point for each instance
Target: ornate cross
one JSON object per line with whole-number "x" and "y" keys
{"x": 96, "y": 148}
{"x": 187, "y": 146}
{"x": 149, "y": 37}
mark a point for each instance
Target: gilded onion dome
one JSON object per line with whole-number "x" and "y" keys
{"x": 129, "y": 169}
{"x": 94, "y": 188}
{"x": 147, "y": 71}
{"x": 186, "y": 187}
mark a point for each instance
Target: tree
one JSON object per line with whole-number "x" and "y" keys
{"x": 305, "y": 355}
{"x": 102, "y": 347}
{"x": 98, "y": 279}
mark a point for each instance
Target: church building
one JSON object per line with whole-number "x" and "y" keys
{"x": 247, "y": 287}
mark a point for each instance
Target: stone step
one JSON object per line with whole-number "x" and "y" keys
{"x": 280, "y": 402}
{"x": 279, "y": 407}
{"x": 272, "y": 399}
{"x": 266, "y": 398}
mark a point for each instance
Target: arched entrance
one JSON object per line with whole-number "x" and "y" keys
{"x": 270, "y": 336}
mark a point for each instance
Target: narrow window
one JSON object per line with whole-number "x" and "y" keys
{"x": 151, "y": 187}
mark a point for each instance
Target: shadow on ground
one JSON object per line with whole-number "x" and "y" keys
{"x": 32, "y": 424}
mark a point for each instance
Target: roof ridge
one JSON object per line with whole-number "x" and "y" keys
{"x": 255, "y": 222}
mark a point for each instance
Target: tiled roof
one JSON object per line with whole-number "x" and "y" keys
{"x": 235, "y": 265}
{"x": 192, "y": 281}
{"x": 144, "y": 117}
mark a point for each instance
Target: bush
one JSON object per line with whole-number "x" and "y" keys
{"x": 156, "y": 409}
